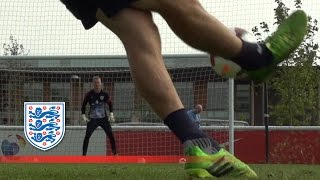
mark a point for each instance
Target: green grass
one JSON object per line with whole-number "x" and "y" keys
{"x": 141, "y": 171}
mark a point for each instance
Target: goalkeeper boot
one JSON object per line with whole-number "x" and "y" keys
{"x": 282, "y": 43}
{"x": 222, "y": 163}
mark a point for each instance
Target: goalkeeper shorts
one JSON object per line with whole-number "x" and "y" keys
{"x": 85, "y": 10}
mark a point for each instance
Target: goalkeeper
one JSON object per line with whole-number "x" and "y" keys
{"x": 97, "y": 100}
{"x": 132, "y": 22}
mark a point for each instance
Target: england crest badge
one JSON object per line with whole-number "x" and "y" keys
{"x": 44, "y": 123}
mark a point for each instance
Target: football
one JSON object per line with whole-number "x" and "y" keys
{"x": 225, "y": 67}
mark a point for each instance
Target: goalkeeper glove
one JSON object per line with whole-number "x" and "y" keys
{"x": 84, "y": 118}
{"x": 111, "y": 117}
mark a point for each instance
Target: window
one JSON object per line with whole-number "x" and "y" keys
{"x": 124, "y": 96}
{"x": 87, "y": 86}
{"x": 33, "y": 92}
{"x": 217, "y": 106}
{"x": 185, "y": 92}
{"x": 242, "y": 102}
{"x": 60, "y": 92}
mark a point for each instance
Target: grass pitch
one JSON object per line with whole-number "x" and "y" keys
{"x": 142, "y": 171}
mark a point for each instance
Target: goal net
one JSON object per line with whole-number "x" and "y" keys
{"x": 138, "y": 130}
{"x": 48, "y": 57}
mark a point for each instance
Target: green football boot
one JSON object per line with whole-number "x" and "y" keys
{"x": 284, "y": 41}
{"x": 222, "y": 163}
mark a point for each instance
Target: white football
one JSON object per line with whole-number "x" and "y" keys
{"x": 227, "y": 68}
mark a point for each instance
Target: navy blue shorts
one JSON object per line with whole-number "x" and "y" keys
{"x": 85, "y": 10}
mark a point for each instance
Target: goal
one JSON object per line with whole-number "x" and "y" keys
{"x": 138, "y": 130}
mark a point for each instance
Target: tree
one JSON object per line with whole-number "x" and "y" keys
{"x": 297, "y": 82}
{"x": 13, "y": 48}
{"x": 12, "y": 81}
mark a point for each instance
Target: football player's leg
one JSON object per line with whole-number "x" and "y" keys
{"x": 141, "y": 40}
{"x": 202, "y": 31}
{"x": 105, "y": 125}
{"x": 142, "y": 44}
{"x": 194, "y": 25}
{"x": 91, "y": 126}
{"x": 288, "y": 36}
{"x": 151, "y": 78}
{"x": 143, "y": 47}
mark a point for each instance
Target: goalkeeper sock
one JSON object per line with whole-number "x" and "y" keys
{"x": 253, "y": 56}
{"x": 183, "y": 127}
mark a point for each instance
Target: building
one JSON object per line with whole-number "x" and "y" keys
{"x": 67, "y": 78}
